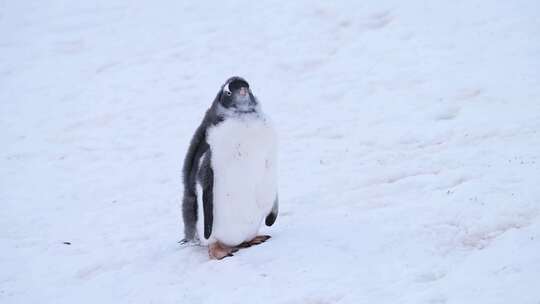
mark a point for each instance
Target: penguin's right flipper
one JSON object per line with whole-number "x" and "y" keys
{"x": 272, "y": 216}
{"x": 208, "y": 207}
{"x": 197, "y": 149}
{"x": 207, "y": 183}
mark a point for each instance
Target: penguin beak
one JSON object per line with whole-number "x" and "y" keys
{"x": 243, "y": 91}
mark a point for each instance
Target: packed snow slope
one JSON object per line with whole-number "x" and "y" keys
{"x": 409, "y": 149}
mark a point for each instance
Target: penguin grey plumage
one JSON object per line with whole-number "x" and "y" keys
{"x": 230, "y": 170}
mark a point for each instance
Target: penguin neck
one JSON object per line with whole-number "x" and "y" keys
{"x": 233, "y": 113}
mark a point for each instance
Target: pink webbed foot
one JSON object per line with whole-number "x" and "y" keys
{"x": 219, "y": 251}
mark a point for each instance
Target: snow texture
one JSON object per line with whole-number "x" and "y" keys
{"x": 409, "y": 149}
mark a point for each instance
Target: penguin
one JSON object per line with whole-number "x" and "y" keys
{"x": 230, "y": 173}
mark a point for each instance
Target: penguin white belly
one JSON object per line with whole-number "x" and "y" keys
{"x": 243, "y": 158}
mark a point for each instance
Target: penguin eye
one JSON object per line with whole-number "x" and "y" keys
{"x": 227, "y": 90}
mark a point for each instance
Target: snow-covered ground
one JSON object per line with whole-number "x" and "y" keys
{"x": 409, "y": 149}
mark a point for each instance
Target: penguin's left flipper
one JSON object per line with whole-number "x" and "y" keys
{"x": 272, "y": 216}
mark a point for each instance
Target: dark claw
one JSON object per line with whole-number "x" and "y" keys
{"x": 183, "y": 241}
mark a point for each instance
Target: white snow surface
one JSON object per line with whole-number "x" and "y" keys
{"x": 409, "y": 149}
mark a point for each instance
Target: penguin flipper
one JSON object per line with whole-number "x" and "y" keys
{"x": 207, "y": 183}
{"x": 272, "y": 216}
{"x": 197, "y": 149}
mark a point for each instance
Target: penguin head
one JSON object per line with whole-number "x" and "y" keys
{"x": 236, "y": 96}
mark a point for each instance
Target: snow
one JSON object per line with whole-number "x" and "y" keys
{"x": 409, "y": 149}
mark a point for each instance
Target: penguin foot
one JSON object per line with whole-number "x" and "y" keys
{"x": 189, "y": 242}
{"x": 256, "y": 241}
{"x": 219, "y": 251}
{"x": 184, "y": 242}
